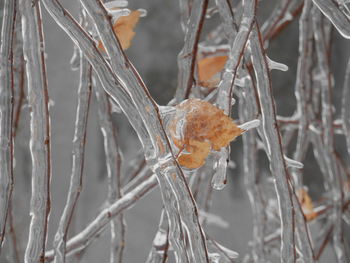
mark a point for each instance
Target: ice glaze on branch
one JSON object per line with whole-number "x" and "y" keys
{"x": 6, "y": 111}
{"x": 33, "y": 49}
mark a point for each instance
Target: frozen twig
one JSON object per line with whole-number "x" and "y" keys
{"x": 187, "y": 57}
{"x": 76, "y": 178}
{"x": 302, "y": 87}
{"x": 157, "y": 145}
{"x": 274, "y": 147}
{"x": 332, "y": 11}
{"x": 113, "y": 161}
{"x": 6, "y": 111}
{"x": 225, "y": 90}
{"x": 185, "y": 10}
{"x": 108, "y": 79}
{"x": 79, "y": 241}
{"x": 248, "y": 110}
{"x": 279, "y": 14}
{"x": 33, "y": 49}
{"x": 13, "y": 236}
{"x": 160, "y": 245}
{"x": 334, "y": 179}
{"x": 346, "y": 106}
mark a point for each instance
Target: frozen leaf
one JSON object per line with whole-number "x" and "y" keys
{"x": 306, "y": 204}
{"x": 199, "y": 127}
{"x": 124, "y": 29}
{"x": 208, "y": 69}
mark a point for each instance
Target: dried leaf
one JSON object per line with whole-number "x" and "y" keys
{"x": 307, "y": 205}
{"x": 199, "y": 127}
{"x": 208, "y": 68}
{"x": 124, "y": 29}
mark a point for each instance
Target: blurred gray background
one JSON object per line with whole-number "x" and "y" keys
{"x": 153, "y": 52}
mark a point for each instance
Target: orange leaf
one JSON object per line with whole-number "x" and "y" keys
{"x": 205, "y": 127}
{"x": 124, "y": 29}
{"x": 208, "y": 68}
{"x": 306, "y": 204}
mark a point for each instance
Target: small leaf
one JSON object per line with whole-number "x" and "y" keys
{"x": 199, "y": 127}
{"x": 307, "y": 205}
{"x": 208, "y": 68}
{"x": 124, "y": 29}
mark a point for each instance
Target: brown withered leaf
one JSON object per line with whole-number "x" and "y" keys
{"x": 306, "y": 204}
{"x": 124, "y": 29}
{"x": 205, "y": 127}
{"x": 208, "y": 68}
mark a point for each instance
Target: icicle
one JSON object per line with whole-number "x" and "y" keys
{"x": 116, "y": 4}
{"x": 276, "y": 65}
{"x": 143, "y": 12}
{"x": 250, "y": 125}
{"x": 293, "y": 163}
{"x": 51, "y": 103}
{"x": 219, "y": 179}
{"x": 231, "y": 164}
{"x": 233, "y": 101}
{"x": 117, "y": 13}
{"x": 212, "y": 219}
{"x": 75, "y": 60}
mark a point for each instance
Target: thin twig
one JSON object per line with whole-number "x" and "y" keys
{"x": 76, "y": 178}
{"x": 113, "y": 162}
{"x": 77, "y": 243}
{"x": 187, "y": 57}
{"x": 33, "y": 50}
{"x": 274, "y": 147}
{"x": 6, "y": 111}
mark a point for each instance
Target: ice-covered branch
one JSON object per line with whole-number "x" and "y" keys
{"x": 346, "y": 105}
{"x": 33, "y": 49}
{"x": 280, "y": 13}
{"x": 334, "y": 177}
{"x": 89, "y": 233}
{"x": 113, "y": 161}
{"x": 187, "y": 57}
{"x": 109, "y": 80}
{"x": 160, "y": 245}
{"x": 238, "y": 41}
{"x": 247, "y": 111}
{"x": 332, "y": 11}
{"x": 274, "y": 147}
{"x": 148, "y": 110}
{"x": 76, "y": 178}
{"x": 185, "y": 10}
{"x": 6, "y": 111}
{"x": 302, "y": 87}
